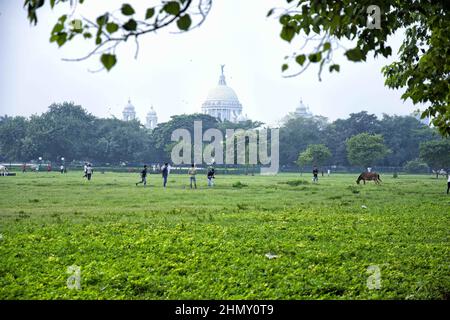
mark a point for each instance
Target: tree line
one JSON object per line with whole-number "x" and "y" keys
{"x": 67, "y": 130}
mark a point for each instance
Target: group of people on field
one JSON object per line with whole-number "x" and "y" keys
{"x": 192, "y": 172}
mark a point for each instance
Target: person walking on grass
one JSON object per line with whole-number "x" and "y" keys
{"x": 315, "y": 174}
{"x": 192, "y": 172}
{"x": 211, "y": 177}
{"x": 85, "y": 169}
{"x": 165, "y": 173}
{"x": 448, "y": 183}
{"x": 143, "y": 177}
{"x": 89, "y": 171}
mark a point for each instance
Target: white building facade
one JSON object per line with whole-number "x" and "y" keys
{"x": 303, "y": 111}
{"x": 129, "y": 114}
{"x": 152, "y": 119}
{"x": 223, "y": 103}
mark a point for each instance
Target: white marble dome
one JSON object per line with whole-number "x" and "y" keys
{"x": 303, "y": 111}
{"x": 152, "y": 119}
{"x": 222, "y": 102}
{"x": 151, "y": 112}
{"x": 129, "y": 112}
{"x": 222, "y": 92}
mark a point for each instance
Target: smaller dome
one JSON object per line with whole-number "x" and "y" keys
{"x": 303, "y": 111}
{"x": 151, "y": 112}
{"x": 129, "y": 106}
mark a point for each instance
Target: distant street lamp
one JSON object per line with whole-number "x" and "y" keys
{"x": 39, "y": 165}
{"x": 64, "y": 165}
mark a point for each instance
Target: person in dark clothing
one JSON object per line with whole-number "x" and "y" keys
{"x": 143, "y": 177}
{"x": 448, "y": 183}
{"x": 211, "y": 177}
{"x": 315, "y": 174}
{"x": 165, "y": 173}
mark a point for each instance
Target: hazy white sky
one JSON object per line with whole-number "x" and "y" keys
{"x": 174, "y": 72}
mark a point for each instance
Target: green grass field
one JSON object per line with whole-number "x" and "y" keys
{"x": 149, "y": 243}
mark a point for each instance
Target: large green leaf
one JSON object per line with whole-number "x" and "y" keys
{"x": 149, "y": 13}
{"x": 287, "y": 33}
{"x": 172, "y": 7}
{"x": 300, "y": 59}
{"x": 127, "y": 9}
{"x": 108, "y": 60}
{"x": 184, "y": 22}
{"x": 103, "y": 19}
{"x": 131, "y": 25}
{"x": 315, "y": 57}
{"x": 355, "y": 54}
{"x": 112, "y": 27}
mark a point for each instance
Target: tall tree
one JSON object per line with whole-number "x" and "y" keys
{"x": 436, "y": 154}
{"x": 296, "y": 135}
{"x": 365, "y": 149}
{"x": 161, "y": 135}
{"x": 342, "y": 129}
{"x": 13, "y": 143}
{"x": 121, "y": 141}
{"x": 403, "y": 135}
{"x": 64, "y": 130}
{"x": 315, "y": 154}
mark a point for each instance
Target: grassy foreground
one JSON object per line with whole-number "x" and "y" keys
{"x": 149, "y": 243}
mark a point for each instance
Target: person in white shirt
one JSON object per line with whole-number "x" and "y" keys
{"x": 89, "y": 171}
{"x": 85, "y": 170}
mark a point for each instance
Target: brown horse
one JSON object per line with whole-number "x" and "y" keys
{"x": 369, "y": 176}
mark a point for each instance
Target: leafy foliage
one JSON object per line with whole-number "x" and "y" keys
{"x": 436, "y": 153}
{"x": 365, "y": 149}
{"x": 315, "y": 154}
{"x": 68, "y": 130}
{"x": 124, "y": 26}
{"x": 423, "y": 66}
{"x": 416, "y": 166}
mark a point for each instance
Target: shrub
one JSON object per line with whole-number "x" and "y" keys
{"x": 353, "y": 189}
{"x": 295, "y": 183}
{"x": 239, "y": 185}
